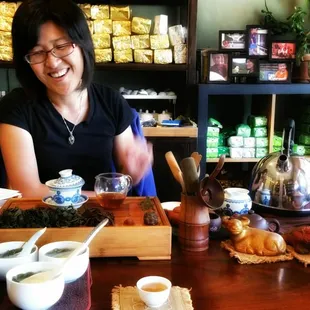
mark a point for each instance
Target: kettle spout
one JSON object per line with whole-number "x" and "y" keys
{"x": 283, "y": 163}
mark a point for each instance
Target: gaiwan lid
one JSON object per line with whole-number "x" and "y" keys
{"x": 66, "y": 180}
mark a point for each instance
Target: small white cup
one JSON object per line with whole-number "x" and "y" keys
{"x": 154, "y": 299}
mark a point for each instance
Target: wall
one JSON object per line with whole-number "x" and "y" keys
{"x": 215, "y": 15}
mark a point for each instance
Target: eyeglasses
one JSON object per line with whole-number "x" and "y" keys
{"x": 58, "y": 51}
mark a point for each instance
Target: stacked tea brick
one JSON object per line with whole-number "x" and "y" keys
{"x": 125, "y": 38}
{"x": 7, "y": 11}
{"x": 212, "y": 142}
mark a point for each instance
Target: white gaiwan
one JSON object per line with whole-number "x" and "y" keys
{"x": 66, "y": 190}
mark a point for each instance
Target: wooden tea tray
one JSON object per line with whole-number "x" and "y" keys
{"x": 143, "y": 241}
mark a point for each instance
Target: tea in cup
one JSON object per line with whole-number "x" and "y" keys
{"x": 111, "y": 188}
{"x": 154, "y": 291}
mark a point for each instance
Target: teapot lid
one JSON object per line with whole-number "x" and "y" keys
{"x": 66, "y": 180}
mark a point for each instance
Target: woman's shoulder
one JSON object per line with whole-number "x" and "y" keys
{"x": 106, "y": 92}
{"x": 17, "y": 95}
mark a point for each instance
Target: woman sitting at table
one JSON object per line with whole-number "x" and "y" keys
{"x": 60, "y": 118}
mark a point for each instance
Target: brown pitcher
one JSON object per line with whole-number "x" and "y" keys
{"x": 194, "y": 224}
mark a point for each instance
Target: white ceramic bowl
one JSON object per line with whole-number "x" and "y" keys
{"x": 7, "y": 263}
{"x": 154, "y": 299}
{"x": 34, "y": 296}
{"x": 76, "y": 267}
{"x": 66, "y": 190}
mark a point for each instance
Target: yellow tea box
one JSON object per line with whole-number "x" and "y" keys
{"x": 6, "y": 23}
{"x": 86, "y": 7}
{"x": 176, "y": 35}
{"x": 100, "y": 11}
{"x": 121, "y": 28}
{"x": 163, "y": 56}
{"x": 121, "y": 43}
{"x": 140, "y": 41}
{"x": 103, "y": 55}
{"x": 123, "y": 56}
{"x": 120, "y": 13}
{"x": 6, "y": 53}
{"x": 180, "y": 53}
{"x": 101, "y": 40}
{"x": 7, "y": 9}
{"x": 143, "y": 56}
{"x": 5, "y": 38}
{"x": 103, "y": 26}
{"x": 161, "y": 24}
{"x": 141, "y": 25}
{"x": 159, "y": 41}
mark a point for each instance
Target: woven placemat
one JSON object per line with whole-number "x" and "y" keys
{"x": 252, "y": 258}
{"x": 303, "y": 258}
{"x": 127, "y": 298}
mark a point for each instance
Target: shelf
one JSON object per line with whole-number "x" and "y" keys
{"x": 142, "y": 67}
{"x": 150, "y": 97}
{"x": 127, "y": 2}
{"x": 234, "y": 160}
{"x": 190, "y": 132}
{"x": 254, "y": 89}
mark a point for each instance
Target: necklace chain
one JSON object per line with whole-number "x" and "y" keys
{"x": 71, "y": 138}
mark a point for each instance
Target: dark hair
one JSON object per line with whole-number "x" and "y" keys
{"x": 28, "y": 19}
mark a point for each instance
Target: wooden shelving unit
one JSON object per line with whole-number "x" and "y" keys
{"x": 206, "y": 90}
{"x": 190, "y": 132}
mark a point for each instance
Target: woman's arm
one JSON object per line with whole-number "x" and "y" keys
{"x": 20, "y": 161}
{"x": 134, "y": 156}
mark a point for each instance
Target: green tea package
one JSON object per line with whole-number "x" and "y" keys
{"x": 277, "y": 140}
{"x": 249, "y": 142}
{"x": 257, "y": 121}
{"x": 212, "y": 152}
{"x": 298, "y": 149}
{"x": 222, "y": 140}
{"x": 212, "y": 142}
{"x": 307, "y": 149}
{"x": 212, "y": 122}
{"x": 276, "y": 149}
{"x": 243, "y": 130}
{"x": 261, "y": 142}
{"x": 248, "y": 152}
{"x": 259, "y": 132}
{"x": 236, "y": 152}
{"x": 213, "y": 131}
{"x": 261, "y": 152}
{"x": 304, "y": 139}
{"x": 223, "y": 150}
{"x": 235, "y": 141}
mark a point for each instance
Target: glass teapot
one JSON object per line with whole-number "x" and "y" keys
{"x": 281, "y": 180}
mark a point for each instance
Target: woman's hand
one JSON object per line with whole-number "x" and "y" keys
{"x": 134, "y": 155}
{"x": 139, "y": 159}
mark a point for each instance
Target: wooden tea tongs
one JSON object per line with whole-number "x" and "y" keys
{"x": 175, "y": 169}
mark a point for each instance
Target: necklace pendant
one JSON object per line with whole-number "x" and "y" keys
{"x": 71, "y": 139}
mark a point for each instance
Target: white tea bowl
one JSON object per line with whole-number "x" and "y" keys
{"x": 78, "y": 264}
{"x": 154, "y": 291}
{"x": 66, "y": 190}
{"x": 8, "y": 263}
{"x": 34, "y": 296}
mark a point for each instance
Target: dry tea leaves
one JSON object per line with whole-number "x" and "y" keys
{"x": 52, "y": 217}
{"x": 147, "y": 204}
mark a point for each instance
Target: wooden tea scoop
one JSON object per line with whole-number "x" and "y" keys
{"x": 210, "y": 189}
{"x": 175, "y": 169}
{"x": 197, "y": 157}
{"x": 190, "y": 175}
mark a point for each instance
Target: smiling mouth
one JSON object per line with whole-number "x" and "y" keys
{"x": 59, "y": 74}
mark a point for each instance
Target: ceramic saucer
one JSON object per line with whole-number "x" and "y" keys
{"x": 170, "y": 205}
{"x": 48, "y": 200}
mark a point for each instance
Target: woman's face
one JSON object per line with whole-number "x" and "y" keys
{"x": 61, "y": 76}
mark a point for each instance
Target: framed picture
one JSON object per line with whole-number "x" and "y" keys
{"x": 274, "y": 72}
{"x": 232, "y": 40}
{"x": 218, "y": 67}
{"x": 257, "y": 41}
{"x": 282, "y": 50}
{"x": 243, "y": 66}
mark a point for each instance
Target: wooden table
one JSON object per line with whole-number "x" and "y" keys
{"x": 217, "y": 281}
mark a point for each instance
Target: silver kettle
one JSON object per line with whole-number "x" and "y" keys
{"x": 281, "y": 180}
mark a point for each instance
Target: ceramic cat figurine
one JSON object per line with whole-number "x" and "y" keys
{"x": 250, "y": 240}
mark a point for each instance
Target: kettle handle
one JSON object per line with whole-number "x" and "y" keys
{"x": 276, "y": 224}
{"x": 289, "y": 136}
